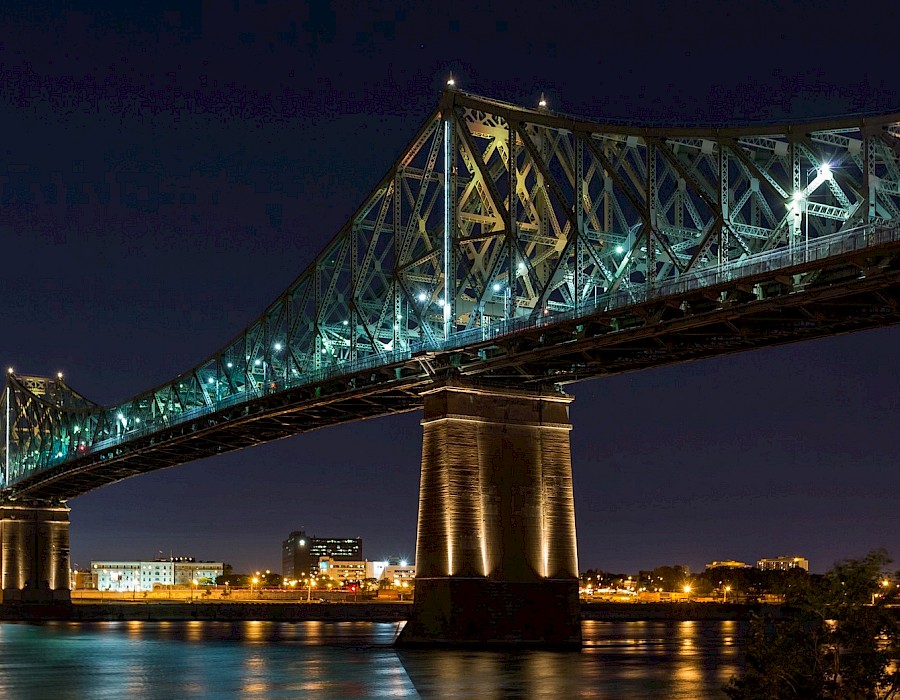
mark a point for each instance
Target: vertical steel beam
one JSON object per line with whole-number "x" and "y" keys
{"x": 449, "y": 219}
{"x": 580, "y": 190}
{"x": 869, "y": 180}
{"x": 651, "y": 203}
{"x": 511, "y": 225}
{"x": 724, "y": 203}
{"x": 796, "y": 190}
{"x": 354, "y": 284}
{"x": 396, "y": 335}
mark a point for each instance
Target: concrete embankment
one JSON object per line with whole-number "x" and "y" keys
{"x": 280, "y": 612}
{"x": 350, "y": 612}
{"x": 637, "y": 612}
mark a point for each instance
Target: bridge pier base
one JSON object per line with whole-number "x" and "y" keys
{"x": 34, "y": 553}
{"x": 496, "y": 560}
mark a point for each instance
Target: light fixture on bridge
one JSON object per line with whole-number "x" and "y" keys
{"x": 542, "y": 103}
{"x": 345, "y": 322}
{"x": 619, "y": 250}
{"x": 450, "y": 81}
{"x": 257, "y": 362}
{"x": 521, "y": 267}
{"x": 229, "y": 365}
{"x": 211, "y": 380}
{"x": 441, "y": 303}
{"x": 277, "y": 347}
{"x": 422, "y": 296}
{"x": 825, "y": 171}
{"x": 59, "y": 375}
{"x": 9, "y": 370}
{"x": 497, "y": 286}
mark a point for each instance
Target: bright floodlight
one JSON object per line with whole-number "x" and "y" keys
{"x": 521, "y": 267}
{"x": 619, "y": 250}
{"x": 230, "y": 365}
{"x": 9, "y": 370}
{"x": 121, "y": 417}
{"x": 441, "y": 303}
{"x": 543, "y": 101}
{"x": 825, "y": 171}
{"x": 496, "y": 286}
{"x": 257, "y": 362}
{"x": 277, "y": 346}
{"x": 59, "y": 375}
{"x": 211, "y": 380}
{"x": 450, "y": 81}
{"x": 345, "y": 322}
{"x": 403, "y": 563}
{"x": 798, "y": 196}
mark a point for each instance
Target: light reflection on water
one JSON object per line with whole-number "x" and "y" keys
{"x": 263, "y": 660}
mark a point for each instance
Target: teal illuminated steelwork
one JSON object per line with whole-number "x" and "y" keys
{"x": 518, "y": 245}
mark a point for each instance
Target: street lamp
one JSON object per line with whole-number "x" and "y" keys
{"x": 312, "y": 584}
{"x": 725, "y": 594}
{"x": 253, "y": 582}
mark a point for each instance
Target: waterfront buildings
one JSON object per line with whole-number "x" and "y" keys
{"x": 728, "y": 564}
{"x": 139, "y": 576}
{"x": 300, "y": 553}
{"x": 395, "y": 573}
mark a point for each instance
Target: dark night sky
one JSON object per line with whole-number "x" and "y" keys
{"x": 167, "y": 173}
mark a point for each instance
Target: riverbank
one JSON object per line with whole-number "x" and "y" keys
{"x": 346, "y": 612}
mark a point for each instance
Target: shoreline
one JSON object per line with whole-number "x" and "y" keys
{"x": 348, "y": 612}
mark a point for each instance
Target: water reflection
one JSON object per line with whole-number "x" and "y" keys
{"x": 689, "y": 660}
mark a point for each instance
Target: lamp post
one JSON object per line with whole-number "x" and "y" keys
{"x": 725, "y": 594}
{"x": 253, "y": 581}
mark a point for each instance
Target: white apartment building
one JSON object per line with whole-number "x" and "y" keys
{"x": 149, "y": 575}
{"x": 783, "y": 564}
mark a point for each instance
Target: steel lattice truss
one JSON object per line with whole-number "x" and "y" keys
{"x": 498, "y": 218}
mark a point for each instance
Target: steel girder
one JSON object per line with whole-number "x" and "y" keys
{"x": 497, "y": 218}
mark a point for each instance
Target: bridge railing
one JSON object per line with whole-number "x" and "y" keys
{"x": 812, "y": 250}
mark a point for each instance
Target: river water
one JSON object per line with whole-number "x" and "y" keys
{"x": 263, "y": 660}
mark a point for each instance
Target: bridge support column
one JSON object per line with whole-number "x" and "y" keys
{"x": 34, "y": 553}
{"x": 496, "y": 562}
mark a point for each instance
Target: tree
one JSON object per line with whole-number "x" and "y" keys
{"x": 838, "y": 640}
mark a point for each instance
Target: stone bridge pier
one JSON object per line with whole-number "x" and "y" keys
{"x": 34, "y": 553}
{"x": 496, "y": 560}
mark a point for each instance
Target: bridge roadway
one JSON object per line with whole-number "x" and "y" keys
{"x": 854, "y": 284}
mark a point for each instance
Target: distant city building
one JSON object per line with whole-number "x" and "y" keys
{"x": 359, "y": 570}
{"x": 398, "y": 574}
{"x": 783, "y": 564}
{"x": 727, "y": 564}
{"x": 342, "y": 570}
{"x": 300, "y": 553}
{"x": 148, "y": 575}
{"x": 83, "y": 581}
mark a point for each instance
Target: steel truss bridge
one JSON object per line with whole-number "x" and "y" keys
{"x": 517, "y": 246}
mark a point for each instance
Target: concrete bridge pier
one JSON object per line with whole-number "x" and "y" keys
{"x": 496, "y": 560}
{"x": 34, "y": 553}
